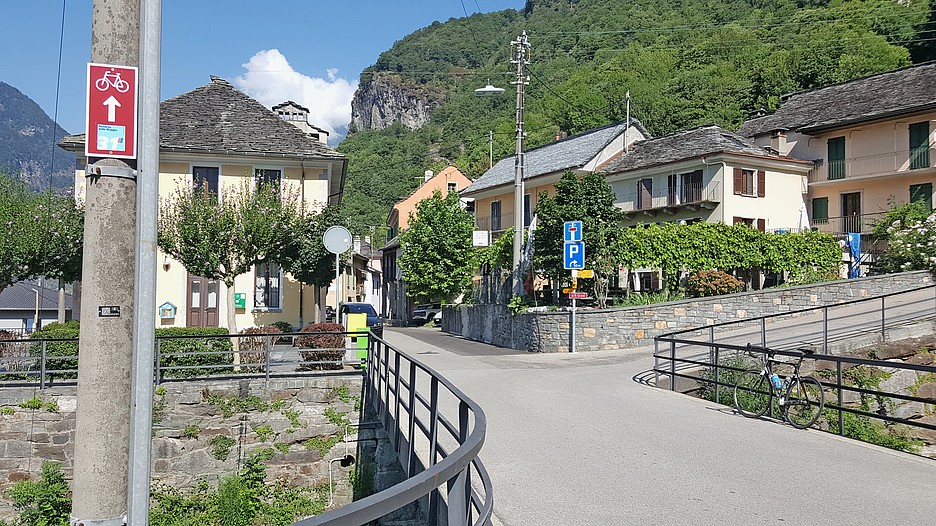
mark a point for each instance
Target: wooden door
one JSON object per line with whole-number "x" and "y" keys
{"x": 851, "y": 212}
{"x": 201, "y": 302}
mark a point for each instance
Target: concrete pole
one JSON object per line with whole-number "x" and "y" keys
{"x": 523, "y": 46}
{"x": 102, "y": 419}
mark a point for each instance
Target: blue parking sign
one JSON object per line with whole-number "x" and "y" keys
{"x": 574, "y": 255}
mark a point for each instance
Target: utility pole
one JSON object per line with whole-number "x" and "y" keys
{"x": 490, "y": 149}
{"x": 108, "y": 313}
{"x": 521, "y": 60}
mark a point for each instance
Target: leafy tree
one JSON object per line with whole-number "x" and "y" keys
{"x": 40, "y": 234}
{"x": 438, "y": 259}
{"x": 911, "y": 239}
{"x": 224, "y": 238}
{"x": 591, "y": 201}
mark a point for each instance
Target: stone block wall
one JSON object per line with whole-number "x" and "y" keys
{"x": 189, "y": 415}
{"x": 622, "y": 328}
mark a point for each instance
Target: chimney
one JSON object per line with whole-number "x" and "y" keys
{"x": 427, "y": 175}
{"x": 778, "y": 142}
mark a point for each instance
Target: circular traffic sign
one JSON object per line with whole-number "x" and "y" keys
{"x": 337, "y": 239}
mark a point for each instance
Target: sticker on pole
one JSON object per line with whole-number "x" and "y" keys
{"x": 112, "y": 111}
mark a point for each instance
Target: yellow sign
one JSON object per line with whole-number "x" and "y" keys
{"x": 586, "y": 273}
{"x": 567, "y": 290}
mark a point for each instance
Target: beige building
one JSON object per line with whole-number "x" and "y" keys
{"x": 217, "y": 137}
{"x": 708, "y": 174}
{"x": 396, "y": 306}
{"x": 871, "y": 140}
{"x": 493, "y": 192}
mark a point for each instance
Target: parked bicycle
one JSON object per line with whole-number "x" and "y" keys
{"x": 800, "y": 398}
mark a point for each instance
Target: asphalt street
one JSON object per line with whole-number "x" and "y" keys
{"x": 577, "y": 439}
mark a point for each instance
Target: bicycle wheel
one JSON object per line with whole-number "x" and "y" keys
{"x": 752, "y": 393}
{"x": 804, "y": 402}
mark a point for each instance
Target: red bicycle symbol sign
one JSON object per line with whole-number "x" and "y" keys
{"x": 112, "y": 78}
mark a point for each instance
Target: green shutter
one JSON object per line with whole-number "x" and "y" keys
{"x": 919, "y": 145}
{"x": 836, "y": 158}
{"x": 820, "y": 210}
{"x": 922, "y": 192}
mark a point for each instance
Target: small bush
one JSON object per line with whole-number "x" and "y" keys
{"x": 67, "y": 349}
{"x": 327, "y": 341}
{"x": 712, "y": 283}
{"x": 191, "y": 431}
{"x": 44, "y": 502}
{"x": 7, "y": 410}
{"x": 210, "y": 352}
{"x": 221, "y": 446}
{"x": 285, "y": 327}
{"x": 252, "y": 348}
{"x": 12, "y": 349}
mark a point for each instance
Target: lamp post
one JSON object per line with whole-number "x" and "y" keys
{"x": 521, "y": 59}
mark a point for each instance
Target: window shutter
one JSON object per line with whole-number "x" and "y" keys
{"x": 738, "y": 183}
{"x": 761, "y": 225}
{"x": 761, "y": 176}
{"x": 735, "y": 220}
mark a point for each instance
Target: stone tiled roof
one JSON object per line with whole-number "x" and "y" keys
{"x": 218, "y": 118}
{"x": 684, "y": 145}
{"x": 21, "y": 296}
{"x": 879, "y": 96}
{"x": 569, "y": 153}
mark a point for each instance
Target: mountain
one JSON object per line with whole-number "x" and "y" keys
{"x": 684, "y": 63}
{"x": 27, "y": 145}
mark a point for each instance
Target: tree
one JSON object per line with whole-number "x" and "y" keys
{"x": 224, "y": 238}
{"x": 40, "y": 234}
{"x": 306, "y": 258}
{"x": 591, "y": 201}
{"x": 438, "y": 259}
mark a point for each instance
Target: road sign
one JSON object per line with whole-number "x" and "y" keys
{"x": 567, "y": 290}
{"x": 578, "y": 295}
{"x": 572, "y": 231}
{"x": 584, "y": 273}
{"x": 112, "y": 111}
{"x": 574, "y": 255}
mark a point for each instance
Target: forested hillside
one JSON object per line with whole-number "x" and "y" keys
{"x": 684, "y": 62}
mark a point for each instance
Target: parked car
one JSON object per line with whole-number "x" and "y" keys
{"x": 437, "y": 319}
{"x": 373, "y": 320}
{"x": 425, "y": 312}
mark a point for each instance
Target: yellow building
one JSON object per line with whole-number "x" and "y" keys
{"x": 217, "y": 137}
{"x": 871, "y": 140}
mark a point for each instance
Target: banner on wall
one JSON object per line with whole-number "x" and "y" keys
{"x": 853, "y": 239}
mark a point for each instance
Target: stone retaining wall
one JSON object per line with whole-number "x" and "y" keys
{"x": 189, "y": 414}
{"x": 610, "y": 329}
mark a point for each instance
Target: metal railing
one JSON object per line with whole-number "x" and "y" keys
{"x": 670, "y": 196}
{"x": 495, "y": 223}
{"x": 708, "y": 359}
{"x": 861, "y": 223}
{"x": 433, "y": 451}
{"x": 871, "y": 165}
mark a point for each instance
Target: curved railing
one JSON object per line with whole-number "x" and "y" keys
{"x": 439, "y": 457}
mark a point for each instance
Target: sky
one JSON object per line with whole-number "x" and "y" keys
{"x": 308, "y": 51}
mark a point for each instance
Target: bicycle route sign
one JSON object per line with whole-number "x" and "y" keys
{"x": 112, "y": 111}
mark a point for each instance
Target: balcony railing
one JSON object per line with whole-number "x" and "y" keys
{"x": 860, "y": 223}
{"x": 495, "y": 224}
{"x": 671, "y": 197}
{"x": 871, "y": 165}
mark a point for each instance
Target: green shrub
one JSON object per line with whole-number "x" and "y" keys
{"x": 33, "y": 403}
{"x": 283, "y": 326}
{"x": 221, "y": 446}
{"x": 712, "y": 283}
{"x": 7, "y": 410}
{"x": 205, "y": 348}
{"x": 69, "y": 329}
{"x": 327, "y": 342}
{"x": 45, "y": 502}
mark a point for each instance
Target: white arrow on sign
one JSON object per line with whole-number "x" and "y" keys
{"x": 112, "y": 106}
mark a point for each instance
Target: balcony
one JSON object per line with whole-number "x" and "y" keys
{"x": 860, "y": 223}
{"x": 495, "y": 223}
{"x": 873, "y": 165}
{"x": 671, "y": 199}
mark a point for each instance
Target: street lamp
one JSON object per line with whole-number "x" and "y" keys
{"x": 523, "y": 48}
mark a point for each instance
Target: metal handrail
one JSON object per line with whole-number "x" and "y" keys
{"x": 673, "y": 365}
{"x": 384, "y": 384}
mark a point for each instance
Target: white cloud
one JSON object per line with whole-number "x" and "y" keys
{"x": 271, "y": 80}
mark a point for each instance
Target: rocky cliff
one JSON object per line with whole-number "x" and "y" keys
{"x": 386, "y": 98}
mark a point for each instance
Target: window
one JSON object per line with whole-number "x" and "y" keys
{"x": 267, "y": 290}
{"x": 644, "y": 194}
{"x": 263, "y": 176}
{"x": 495, "y": 215}
{"x": 922, "y": 193}
{"x": 836, "y": 158}
{"x": 919, "y": 145}
{"x": 692, "y": 187}
{"x": 451, "y": 187}
{"x": 759, "y": 224}
{"x": 750, "y": 183}
{"x": 205, "y": 178}
{"x": 527, "y": 209}
{"x": 820, "y": 210}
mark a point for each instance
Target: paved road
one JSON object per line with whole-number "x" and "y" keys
{"x": 577, "y": 440}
